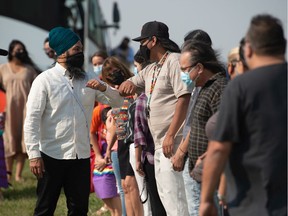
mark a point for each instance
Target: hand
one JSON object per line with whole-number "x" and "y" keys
{"x": 96, "y": 85}
{"x": 127, "y": 88}
{"x": 222, "y": 201}
{"x": 178, "y": 161}
{"x": 37, "y": 167}
{"x": 139, "y": 168}
{"x": 199, "y": 161}
{"x": 107, "y": 157}
{"x": 167, "y": 146}
{"x": 100, "y": 164}
{"x": 207, "y": 209}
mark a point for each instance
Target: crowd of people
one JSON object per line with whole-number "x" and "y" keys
{"x": 171, "y": 135}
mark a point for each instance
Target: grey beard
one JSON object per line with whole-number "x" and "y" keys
{"x": 76, "y": 72}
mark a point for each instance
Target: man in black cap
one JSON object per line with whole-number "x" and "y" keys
{"x": 168, "y": 99}
{"x": 56, "y": 128}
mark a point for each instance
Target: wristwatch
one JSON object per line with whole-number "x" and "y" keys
{"x": 221, "y": 197}
{"x": 105, "y": 85}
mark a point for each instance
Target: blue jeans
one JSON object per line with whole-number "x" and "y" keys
{"x": 188, "y": 186}
{"x": 116, "y": 168}
{"x": 195, "y": 196}
{"x": 196, "y": 192}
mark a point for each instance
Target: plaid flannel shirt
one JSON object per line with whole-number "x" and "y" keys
{"x": 207, "y": 104}
{"x": 142, "y": 135}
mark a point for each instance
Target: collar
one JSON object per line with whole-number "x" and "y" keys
{"x": 163, "y": 59}
{"x": 215, "y": 77}
{"x": 61, "y": 69}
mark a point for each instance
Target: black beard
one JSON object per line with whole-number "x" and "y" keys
{"x": 77, "y": 73}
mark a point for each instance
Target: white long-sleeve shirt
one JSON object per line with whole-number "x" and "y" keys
{"x": 55, "y": 123}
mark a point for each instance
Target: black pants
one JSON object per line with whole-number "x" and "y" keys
{"x": 71, "y": 175}
{"x": 123, "y": 157}
{"x": 157, "y": 207}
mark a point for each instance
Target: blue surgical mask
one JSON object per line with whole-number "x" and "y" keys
{"x": 135, "y": 71}
{"x": 186, "y": 79}
{"x": 97, "y": 69}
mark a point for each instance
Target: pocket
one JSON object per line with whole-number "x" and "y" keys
{"x": 87, "y": 96}
{"x": 164, "y": 85}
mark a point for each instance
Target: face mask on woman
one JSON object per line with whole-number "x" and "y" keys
{"x": 97, "y": 69}
{"x": 116, "y": 77}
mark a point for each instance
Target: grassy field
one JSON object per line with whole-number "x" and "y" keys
{"x": 21, "y": 199}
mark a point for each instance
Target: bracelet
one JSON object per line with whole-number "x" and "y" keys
{"x": 181, "y": 150}
{"x": 34, "y": 159}
{"x": 105, "y": 85}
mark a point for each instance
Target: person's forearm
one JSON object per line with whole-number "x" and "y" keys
{"x": 112, "y": 141}
{"x": 138, "y": 152}
{"x": 184, "y": 145}
{"x": 214, "y": 163}
{"x": 203, "y": 155}
{"x": 179, "y": 115}
{"x": 113, "y": 96}
{"x": 94, "y": 142}
{"x": 222, "y": 186}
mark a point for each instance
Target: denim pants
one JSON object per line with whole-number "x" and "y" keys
{"x": 188, "y": 187}
{"x": 195, "y": 198}
{"x": 116, "y": 168}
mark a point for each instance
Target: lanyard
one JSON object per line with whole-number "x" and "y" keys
{"x": 156, "y": 68}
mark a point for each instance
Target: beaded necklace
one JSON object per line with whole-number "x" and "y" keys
{"x": 157, "y": 68}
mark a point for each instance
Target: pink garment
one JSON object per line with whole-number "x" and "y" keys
{"x": 17, "y": 86}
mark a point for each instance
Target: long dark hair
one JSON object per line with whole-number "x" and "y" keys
{"x": 138, "y": 57}
{"x": 199, "y": 35}
{"x": 27, "y": 60}
{"x": 169, "y": 45}
{"x": 203, "y": 53}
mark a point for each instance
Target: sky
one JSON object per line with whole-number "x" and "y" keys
{"x": 226, "y": 21}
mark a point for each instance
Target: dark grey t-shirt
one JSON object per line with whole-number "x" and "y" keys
{"x": 253, "y": 116}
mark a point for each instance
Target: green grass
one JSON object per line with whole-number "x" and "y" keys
{"x": 21, "y": 199}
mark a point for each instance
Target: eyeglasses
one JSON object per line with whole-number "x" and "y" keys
{"x": 190, "y": 66}
{"x": 234, "y": 62}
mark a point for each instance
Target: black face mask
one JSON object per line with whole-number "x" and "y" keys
{"x": 76, "y": 60}
{"x": 22, "y": 56}
{"x": 74, "y": 65}
{"x": 116, "y": 77}
{"x": 145, "y": 52}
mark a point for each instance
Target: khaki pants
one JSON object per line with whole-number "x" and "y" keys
{"x": 170, "y": 186}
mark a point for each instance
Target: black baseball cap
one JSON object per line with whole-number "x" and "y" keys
{"x": 153, "y": 28}
{"x": 3, "y": 52}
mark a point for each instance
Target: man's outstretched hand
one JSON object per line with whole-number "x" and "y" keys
{"x": 127, "y": 88}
